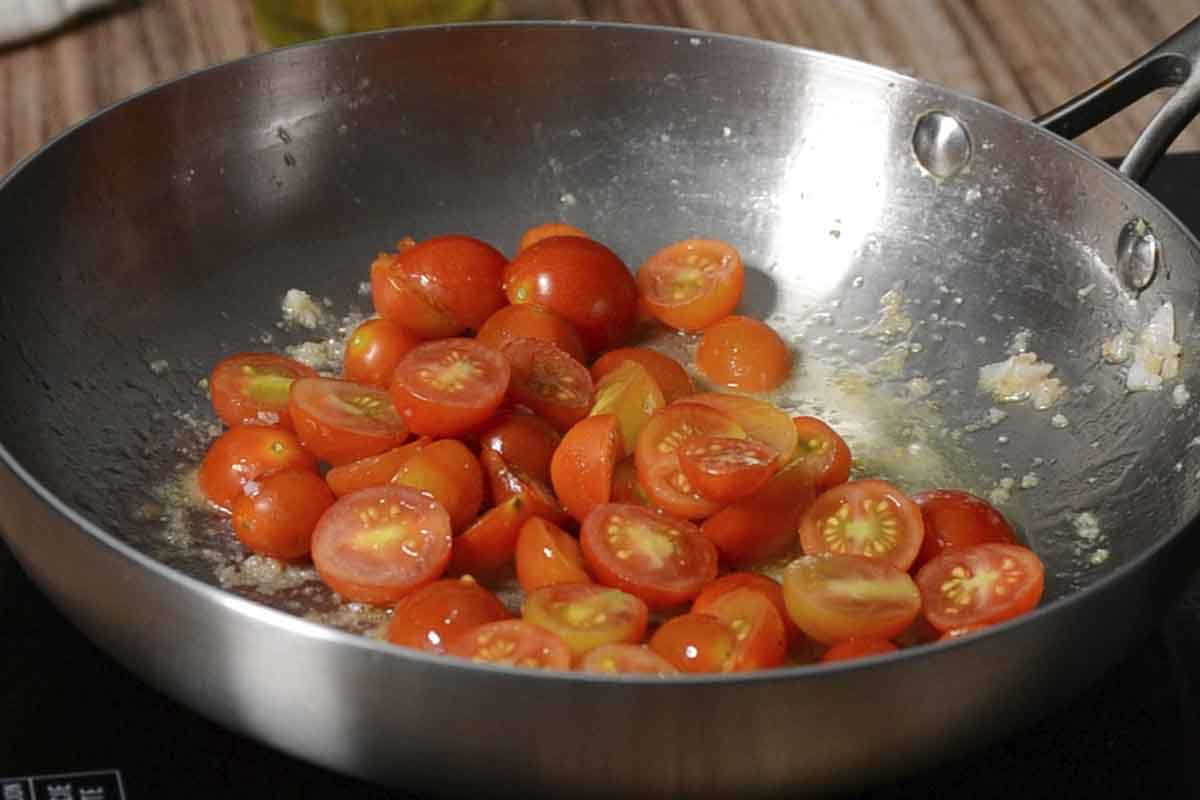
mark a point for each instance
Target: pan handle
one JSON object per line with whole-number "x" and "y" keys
{"x": 1175, "y": 62}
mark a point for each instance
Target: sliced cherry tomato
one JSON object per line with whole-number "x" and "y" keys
{"x": 692, "y": 284}
{"x": 767, "y": 587}
{"x": 524, "y": 440}
{"x": 376, "y": 545}
{"x": 252, "y": 388}
{"x": 696, "y": 643}
{"x": 546, "y": 555}
{"x": 583, "y": 465}
{"x": 824, "y": 454}
{"x": 449, "y": 387}
{"x": 762, "y": 641}
{"x": 433, "y": 617}
{"x": 507, "y": 481}
{"x": 657, "y": 455}
{"x": 450, "y": 473}
{"x": 958, "y": 519}
{"x": 548, "y": 382}
{"x": 513, "y": 643}
{"x": 724, "y": 469}
{"x": 870, "y": 518}
{"x": 277, "y": 515}
{"x": 631, "y": 394}
{"x": 372, "y": 470}
{"x": 547, "y": 230}
{"x": 980, "y": 584}
{"x": 586, "y": 616}
{"x": 527, "y": 321}
{"x": 373, "y": 351}
{"x": 852, "y": 649}
{"x": 339, "y": 422}
{"x": 662, "y": 560}
{"x": 671, "y": 378}
{"x": 488, "y": 545}
{"x": 246, "y": 453}
{"x": 583, "y": 282}
{"x": 743, "y": 353}
{"x": 762, "y": 526}
{"x": 441, "y": 286}
{"x": 759, "y": 419}
{"x": 626, "y": 487}
{"x": 625, "y": 659}
{"x": 836, "y": 597}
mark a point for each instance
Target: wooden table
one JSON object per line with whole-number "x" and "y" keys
{"x": 1025, "y": 55}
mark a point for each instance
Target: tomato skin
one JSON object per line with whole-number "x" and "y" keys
{"x": 980, "y": 584}
{"x": 246, "y": 453}
{"x": 513, "y": 643}
{"x": 451, "y": 474}
{"x": 851, "y": 649}
{"x": 524, "y": 440}
{"x": 373, "y": 351}
{"x": 958, "y": 519}
{"x": 695, "y": 643}
{"x": 626, "y": 487}
{"x": 657, "y": 456}
{"x": 763, "y": 526}
{"x": 433, "y": 617}
{"x": 376, "y": 545}
{"x": 726, "y": 470}
{"x": 449, "y": 387}
{"x": 625, "y": 659}
{"x": 547, "y": 555}
{"x": 527, "y": 321}
{"x": 758, "y": 418}
{"x": 670, "y": 376}
{"x": 692, "y": 284}
{"x": 252, "y": 388}
{"x": 582, "y": 468}
{"x": 833, "y": 597}
{"x": 586, "y": 616}
{"x": 889, "y": 523}
{"x": 339, "y": 422}
{"x": 823, "y": 452}
{"x": 372, "y": 470}
{"x": 547, "y": 381}
{"x": 491, "y": 542}
{"x": 277, "y": 520}
{"x": 668, "y": 562}
{"x": 547, "y": 230}
{"x": 743, "y": 353}
{"x": 768, "y": 588}
{"x": 583, "y": 282}
{"x": 507, "y": 481}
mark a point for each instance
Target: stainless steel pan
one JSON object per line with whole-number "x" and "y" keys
{"x": 161, "y": 233}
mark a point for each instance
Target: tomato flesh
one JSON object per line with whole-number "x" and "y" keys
{"x": 582, "y": 468}
{"x": 837, "y": 597}
{"x": 763, "y": 525}
{"x": 513, "y": 643}
{"x": 246, "y": 453}
{"x": 339, "y": 422}
{"x": 696, "y": 643}
{"x": 725, "y": 469}
{"x": 767, "y": 587}
{"x": 759, "y": 419}
{"x": 669, "y": 374}
{"x": 625, "y": 659}
{"x": 954, "y": 518}
{"x": 491, "y": 542}
{"x": 372, "y": 470}
{"x": 433, "y": 617}
{"x": 449, "y": 387}
{"x": 691, "y": 284}
{"x": 586, "y": 616}
{"x": 631, "y": 394}
{"x": 760, "y": 637}
{"x": 278, "y": 516}
{"x": 822, "y": 452}
{"x": 548, "y": 382}
{"x": 980, "y": 585}
{"x": 547, "y": 555}
{"x": 870, "y": 518}
{"x": 450, "y": 473}
{"x": 743, "y": 353}
{"x": 657, "y": 456}
{"x": 252, "y": 388}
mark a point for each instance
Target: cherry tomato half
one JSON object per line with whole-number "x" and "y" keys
{"x": 449, "y": 387}
{"x": 507, "y": 481}
{"x": 724, "y": 469}
{"x": 762, "y": 526}
{"x": 767, "y": 587}
{"x": 761, "y": 640}
{"x": 743, "y": 353}
{"x": 586, "y": 616}
{"x": 692, "y": 284}
{"x": 372, "y": 470}
{"x": 870, "y": 518}
{"x": 449, "y": 472}
{"x": 489, "y": 544}
{"x": 527, "y": 321}
{"x": 246, "y": 453}
{"x": 695, "y": 643}
{"x": 626, "y": 487}
{"x": 277, "y": 517}
{"x": 630, "y": 393}
{"x": 547, "y": 230}
{"x": 513, "y": 643}
{"x": 824, "y": 454}
{"x": 376, "y": 545}
{"x": 671, "y": 378}
{"x": 582, "y": 468}
{"x": 980, "y": 584}
{"x": 524, "y": 440}
{"x": 852, "y": 649}
{"x": 548, "y": 382}
{"x": 657, "y": 456}
{"x": 625, "y": 659}
{"x": 373, "y": 351}
{"x": 546, "y": 555}
{"x": 958, "y": 519}
{"x": 339, "y": 422}
{"x": 433, "y": 617}
{"x": 759, "y": 419}
{"x": 252, "y": 388}
{"x": 836, "y": 597}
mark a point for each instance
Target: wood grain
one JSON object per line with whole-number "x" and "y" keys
{"x": 1024, "y": 55}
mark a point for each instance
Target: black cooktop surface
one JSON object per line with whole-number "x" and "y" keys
{"x": 66, "y": 709}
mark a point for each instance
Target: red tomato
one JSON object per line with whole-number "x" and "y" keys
{"x": 958, "y": 519}
{"x": 246, "y": 453}
{"x": 450, "y": 473}
{"x": 340, "y": 422}
{"x": 759, "y": 419}
{"x": 761, "y": 638}
{"x": 276, "y": 518}
{"x": 768, "y": 588}
{"x": 546, "y": 555}
{"x": 626, "y": 487}
{"x": 625, "y": 659}
{"x": 743, "y": 353}
{"x": 524, "y": 440}
{"x": 851, "y": 649}
{"x": 836, "y": 597}
{"x": 547, "y": 230}
{"x": 528, "y": 321}
{"x": 696, "y": 643}
{"x": 586, "y": 616}
{"x": 692, "y": 284}
{"x": 513, "y": 643}
{"x": 657, "y": 456}
{"x": 507, "y": 482}
{"x": 449, "y": 387}
{"x": 824, "y": 454}
{"x": 662, "y": 560}
{"x": 724, "y": 469}
{"x": 372, "y": 470}
{"x": 980, "y": 584}
{"x": 376, "y": 545}
{"x": 442, "y": 286}
{"x": 762, "y": 526}
{"x": 671, "y": 378}
{"x": 252, "y": 388}
{"x": 433, "y": 617}
{"x": 374, "y": 350}
{"x": 631, "y": 394}
{"x": 548, "y": 382}
{"x": 583, "y": 465}
{"x": 580, "y": 280}
{"x": 491, "y": 542}
{"x": 870, "y": 518}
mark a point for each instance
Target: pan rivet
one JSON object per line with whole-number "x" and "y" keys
{"x": 1139, "y": 254}
{"x": 941, "y": 144}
